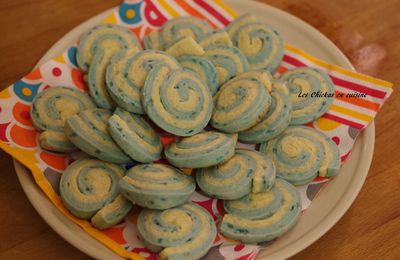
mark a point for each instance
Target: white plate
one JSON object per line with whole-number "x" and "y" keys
{"x": 325, "y": 210}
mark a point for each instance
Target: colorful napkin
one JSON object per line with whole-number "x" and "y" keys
{"x": 347, "y": 117}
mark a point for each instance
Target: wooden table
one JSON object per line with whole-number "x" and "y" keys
{"x": 367, "y": 31}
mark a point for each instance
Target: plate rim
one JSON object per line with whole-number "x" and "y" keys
{"x": 345, "y": 201}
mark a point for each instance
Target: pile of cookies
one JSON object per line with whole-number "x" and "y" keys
{"x": 210, "y": 88}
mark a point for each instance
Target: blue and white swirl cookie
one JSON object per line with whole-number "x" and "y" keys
{"x": 262, "y": 217}
{"x": 127, "y": 74}
{"x": 50, "y": 109}
{"x": 95, "y": 49}
{"x": 112, "y": 213}
{"x": 185, "y": 46}
{"x": 308, "y": 80}
{"x": 153, "y": 41}
{"x": 275, "y": 121}
{"x": 157, "y": 186}
{"x": 260, "y": 43}
{"x": 331, "y": 161}
{"x": 204, "y": 69}
{"x": 219, "y": 36}
{"x": 183, "y": 26}
{"x": 242, "y": 102}
{"x": 103, "y": 38}
{"x": 177, "y": 101}
{"x": 135, "y": 136}
{"x": 256, "y": 205}
{"x": 264, "y": 171}
{"x": 297, "y": 154}
{"x": 89, "y": 189}
{"x": 229, "y": 61}
{"x": 246, "y": 171}
{"x": 184, "y": 232}
{"x": 56, "y": 142}
{"x": 88, "y": 131}
{"x": 201, "y": 150}
{"x": 331, "y": 156}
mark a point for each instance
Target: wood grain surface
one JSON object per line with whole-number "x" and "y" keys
{"x": 367, "y": 31}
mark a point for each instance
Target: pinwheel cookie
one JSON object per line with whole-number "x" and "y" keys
{"x": 157, "y": 186}
{"x": 127, "y": 73}
{"x": 89, "y": 189}
{"x": 88, "y": 131}
{"x": 135, "y": 136}
{"x": 331, "y": 161}
{"x": 255, "y": 205}
{"x": 260, "y": 43}
{"x": 260, "y": 217}
{"x": 201, "y": 150}
{"x": 184, "y": 232}
{"x": 229, "y": 61}
{"x": 203, "y": 68}
{"x": 310, "y": 82}
{"x": 178, "y": 101}
{"x": 275, "y": 121}
{"x": 300, "y": 152}
{"x": 242, "y": 102}
{"x": 95, "y": 49}
{"x": 50, "y": 109}
{"x": 246, "y": 171}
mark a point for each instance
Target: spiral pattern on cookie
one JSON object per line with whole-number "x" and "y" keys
{"x": 229, "y": 61}
{"x": 88, "y": 131}
{"x": 157, "y": 186}
{"x": 112, "y": 213}
{"x": 331, "y": 162}
{"x": 297, "y": 155}
{"x": 264, "y": 172}
{"x": 177, "y": 101}
{"x": 255, "y": 205}
{"x": 50, "y": 109}
{"x": 135, "y": 136}
{"x": 184, "y": 26}
{"x": 201, "y": 150}
{"x": 215, "y": 37}
{"x": 261, "y": 219}
{"x": 88, "y": 185}
{"x": 236, "y": 177}
{"x": 331, "y": 156}
{"x": 308, "y": 80}
{"x": 127, "y": 74}
{"x": 204, "y": 69}
{"x": 103, "y": 38}
{"x": 96, "y": 48}
{"x": 275, "y": 121}
{"x": 184, "y": 232}
{"x": 242, "y": 102}
{"x": 261, "y": 44}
